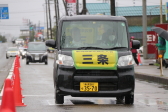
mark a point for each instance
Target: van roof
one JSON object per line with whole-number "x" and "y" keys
{"x": 93, "y": 17}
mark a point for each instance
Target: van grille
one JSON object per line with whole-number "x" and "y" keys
{"x": 103, "y": 86}
{"x": 95, "y": 73}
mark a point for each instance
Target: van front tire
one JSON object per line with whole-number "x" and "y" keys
{"x": 59, "y": 99}
{"x": 46, "y": 62}
{"x": 129, "y": 99}
{"x": 27, "y": 61}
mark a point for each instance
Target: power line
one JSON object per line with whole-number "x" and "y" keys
{"x": 11, "y": 25}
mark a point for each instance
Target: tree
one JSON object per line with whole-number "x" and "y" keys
{"x": 3, "y": 38}
{"x": 32, "y": 33}
{"x": 156, "y": 20}
{"x": 23, "y": 37}
{"x": 54, "y": 31}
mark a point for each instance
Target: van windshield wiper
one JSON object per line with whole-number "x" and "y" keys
{"x": 116, "y": 48}
{"x": 84, "y": 48}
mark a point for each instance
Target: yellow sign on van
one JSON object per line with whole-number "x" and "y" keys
{"x": 95, "y": 59}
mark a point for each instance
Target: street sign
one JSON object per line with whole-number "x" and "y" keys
{"x": 37, "y": 28}
{"x": 4, "y": 14}
{"x": 71, "y": 7}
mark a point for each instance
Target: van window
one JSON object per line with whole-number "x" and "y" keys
{"x": 104, "y": 34}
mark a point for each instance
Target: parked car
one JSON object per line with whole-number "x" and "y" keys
{"x": 11, "y": 52}
{"x": 36, "y": 52}
{"x": 50, "y": 49}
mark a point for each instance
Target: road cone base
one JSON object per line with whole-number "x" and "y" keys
{"x": 20, "y": 104}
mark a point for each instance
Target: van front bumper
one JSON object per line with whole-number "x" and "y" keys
{"x": 112, "y": 83}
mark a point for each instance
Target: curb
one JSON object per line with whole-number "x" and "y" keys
{"x": 152, "y": 78}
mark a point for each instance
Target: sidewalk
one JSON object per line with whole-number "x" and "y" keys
{"x": 149, "y": 72}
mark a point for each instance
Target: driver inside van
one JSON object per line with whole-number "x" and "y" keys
{"x": 109, "y": 38}
{"x": 76, "y": 38}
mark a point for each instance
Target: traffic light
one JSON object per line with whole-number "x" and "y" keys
{"x": 31, "y": 27}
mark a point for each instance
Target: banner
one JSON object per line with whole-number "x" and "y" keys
{"x": 71, "y": 1}
{"x": 71, "y": 7}
{"x": 95, "y": 59}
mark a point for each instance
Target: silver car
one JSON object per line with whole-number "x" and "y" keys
{"x": 23, "y": 53}
{"x": 12, "y": 52}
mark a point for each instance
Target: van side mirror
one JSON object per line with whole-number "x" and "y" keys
{"x": 135, "y": 44}
{"x": 51, "y": 43}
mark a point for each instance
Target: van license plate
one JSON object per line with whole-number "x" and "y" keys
{"x": 36, "y": 58}
{"x": 88, "y": 86}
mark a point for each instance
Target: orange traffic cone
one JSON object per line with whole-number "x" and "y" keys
{"x": 17, "y": 90}
{"x": 139, "y": 59}
{"x": 17, "y": 63}
{"x": 8, "y": 104}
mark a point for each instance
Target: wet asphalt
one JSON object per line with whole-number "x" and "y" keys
{"x": 5, "y": 64}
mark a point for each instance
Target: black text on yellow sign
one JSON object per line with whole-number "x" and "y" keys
{"x": 101, "y": 59}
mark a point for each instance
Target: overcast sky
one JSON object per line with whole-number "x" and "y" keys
{"x": 34, "y": 10}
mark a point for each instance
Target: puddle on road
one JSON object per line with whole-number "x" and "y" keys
{"x": 152, "y": 102}
{"x": 4, "y": 69}
{"x": 83, "y": 101}
{"x": 162, "y": 105}
{"x": 164, "y": 86}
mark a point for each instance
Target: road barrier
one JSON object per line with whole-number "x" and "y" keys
{"x": 17, "y": 89}
{"x": 139, "y": 59}
{"x": 8, "y": 104}
{"x": 12, "y": 90}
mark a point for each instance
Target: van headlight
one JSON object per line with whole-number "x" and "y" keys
{"x": 45, "y": 53}
{"x": 126, "y": 60}
{"x": 65, "y": 60}
{"x": 28, "y": 54}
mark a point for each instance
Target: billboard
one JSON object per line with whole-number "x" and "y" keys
{"x": 71, "y": 7}
{"x": 4, "y": 14}
{"x": 24, "y": 28}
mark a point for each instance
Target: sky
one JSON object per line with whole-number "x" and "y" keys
{"x": 34, "y": 10}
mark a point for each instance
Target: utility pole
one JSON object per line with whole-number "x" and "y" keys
{"x": 144, "y": 21}
{"x": 58, "y": 9}
{"x": 65, "y": 5}
{"x": 84, "y": 7}
{"x": 47, "y": 17}
{"x": 56, "y": 17}
{"x": 112, "y": 7}
{"x": 29, "y": 29}
{"x": 77, "y": 7}
{"x": 161, "y": 12}
{"x": 50, "y": 18}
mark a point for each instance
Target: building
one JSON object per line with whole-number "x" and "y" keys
{"x": 133, "y": 14}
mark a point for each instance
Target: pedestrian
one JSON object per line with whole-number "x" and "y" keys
{"x": 134, "y": 51}
{"x": 161, "y": 45}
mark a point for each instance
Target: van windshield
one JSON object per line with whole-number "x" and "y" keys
{"x": 36, "y": 47}
{"x": 101, "y": 34}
